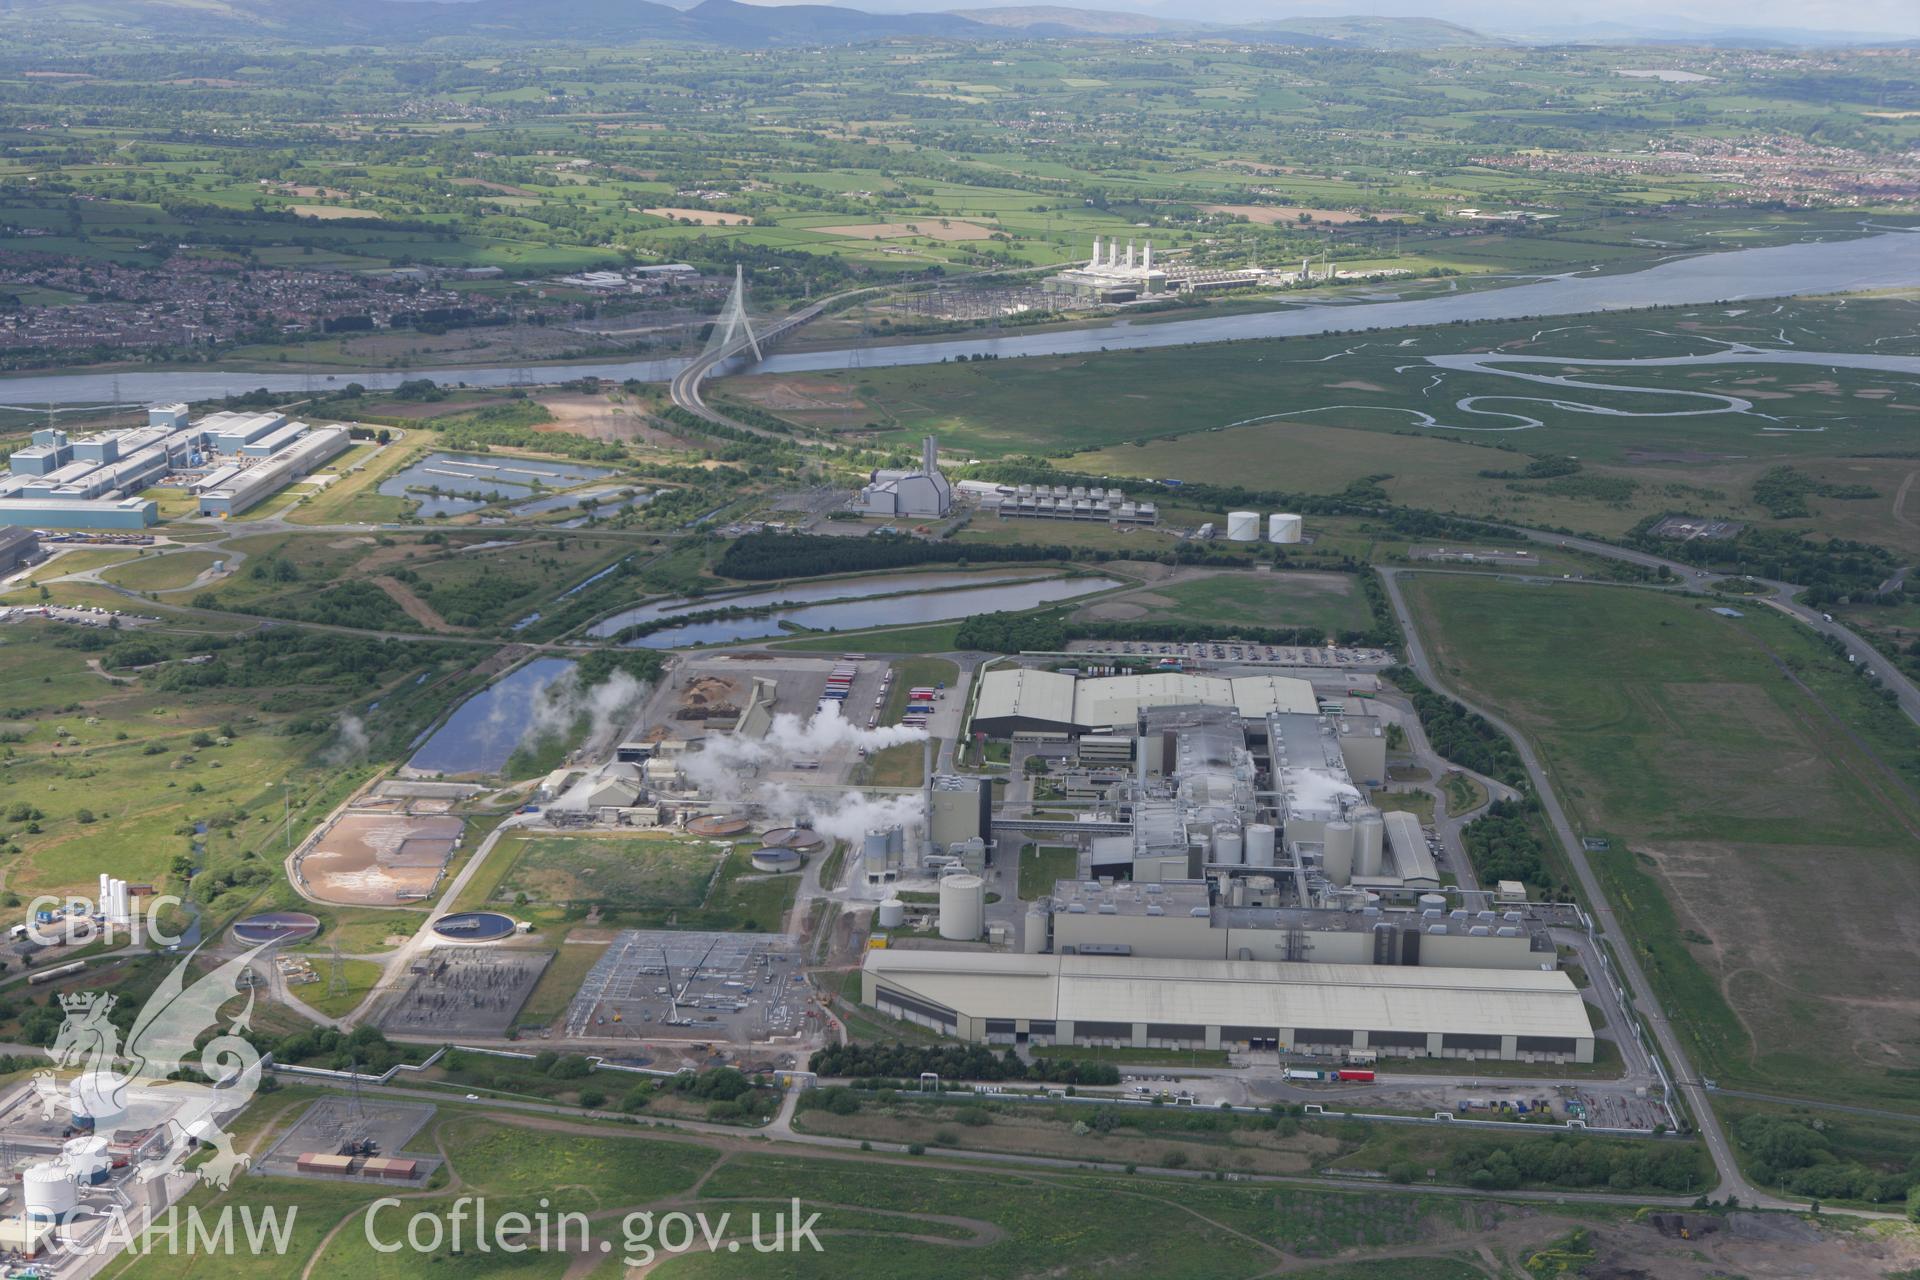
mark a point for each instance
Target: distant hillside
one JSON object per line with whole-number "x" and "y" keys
{"x": 720, "y": 22}
{"x": 1104, "y": 22}
{"x": 1373, "y": 33}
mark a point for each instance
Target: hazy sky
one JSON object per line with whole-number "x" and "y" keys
{"x": 1880, "y": 16}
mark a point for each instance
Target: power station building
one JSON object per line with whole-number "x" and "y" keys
{"x": 919, "y": 493}
{"x": 1524, "y": 1015}
{"x": 1108, "y": 277}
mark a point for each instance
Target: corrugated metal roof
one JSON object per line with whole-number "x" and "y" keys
{"x": 1241, "y": 993}
{"x": 1115, "y": 702}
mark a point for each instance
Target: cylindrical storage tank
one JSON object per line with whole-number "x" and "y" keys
{"x": 1033, "y": 940}
{"x": 1243, "y": 526}
{"x": 1369, "y": 842}
{"x": 776, "y": 860}
{"x": 963, "y": 908}
{"x": 893, "y": 913}
{"x": 89, "y": 1159}
{"x": 1284, "y": 527}
{"x": 99, "y": 1098}
{"x": 1433, "y": 902}
{"x": 1228, "y": 846}
{"x": 874, "y": 851}
{"x": 1261, "y": 840}
{"x": 1338, "y": 858}
{"x": 49, "y": 1191}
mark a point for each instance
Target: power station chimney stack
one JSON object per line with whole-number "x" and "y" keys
{"x": 1129, "y": 255}
{"x": 1096, "y": 254}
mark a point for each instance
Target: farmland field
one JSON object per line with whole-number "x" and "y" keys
{"x": 1326, "y": 600}
{"x": 1749, "y": 784}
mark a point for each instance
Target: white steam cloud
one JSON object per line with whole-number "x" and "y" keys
{"x": 728, "y": 768}
{"x": 559, "y": 705}
{"x": 350, "y": 740}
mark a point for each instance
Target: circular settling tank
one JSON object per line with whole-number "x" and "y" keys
{"x": 716, "y": 824}
{"x": 776, "y": 859}
{"x": 803, "y": 839}
{"x": 276, "y": 926}
{"x": 474, "y": 926}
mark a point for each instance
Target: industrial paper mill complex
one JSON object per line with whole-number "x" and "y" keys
{"x": 1236, "y": 890}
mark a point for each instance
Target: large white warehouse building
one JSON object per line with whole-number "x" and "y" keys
{"x": 1001, "y": 998}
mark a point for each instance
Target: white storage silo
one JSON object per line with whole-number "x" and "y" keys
{"x": 1337, "y": 858}
{"x": 49, "y": 1192}
{"x": 1033, "y": 940}
{"x": 963, "y": 908}
{"x": 89, "y": 1158}
{"x": 1370, "y": 839}
{"x": 1261, "y": 841}
{"x": 1243, "y": 526}
{"x": 1284, "y": 527}
{"x": 98, "y": 1100}
{"x": 873, "y": 852}
{"x": 893, "y": 913}
{"x": 1227, "y": 846}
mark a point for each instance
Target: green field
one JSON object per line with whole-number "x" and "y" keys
{"x": 1042, "y": 865}
{"x": 878, "y": 1215}
{"x": 1749, "y": 783}
{"x": 934, "y": 639}
{"x": 361, "y": 977}
{"x": 162, "y": 572}
{"x": 1323, "y": 415}
{"x": 1332, "y": 602}
{"x": 625, "y": 873}
{"x": 115, "y": 772}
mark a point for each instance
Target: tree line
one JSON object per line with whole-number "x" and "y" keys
{"x": 954, "y": 1062}
{"x": 1460, "y": 735}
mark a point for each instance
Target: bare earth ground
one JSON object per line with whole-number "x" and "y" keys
{"x": 414, "y": 607}
{"x": 818, "y": 401}
{"x": 703, "y": 217}
{"x": 597, "y": 418}
{"x": 328, "y": 212}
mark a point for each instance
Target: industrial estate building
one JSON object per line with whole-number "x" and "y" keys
{"x": 233, "y": 460}
{"x": 18, "y": 547}
{"x": 999, "y": 998}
